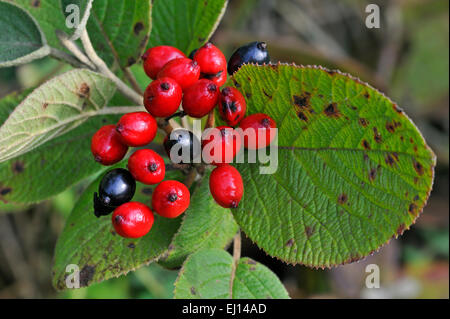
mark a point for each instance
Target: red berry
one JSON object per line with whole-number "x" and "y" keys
{"x": 220, "y": 145}
{"x": 147, "y": 166}
{"x": 162, "y": 97}
{"x": 170, "y": 199}
{"x": 132, "y": 220}
{"x": 258, "y": 125}
{"x": 155, "y": 58}
{"x": 210, "y": 59}
{"x": 232, "y": 106}
{"x": 137, "y": 128}
{"x": 226, "y": 186}
{"x": 183, "y": 70}
{"x": 200, "y": 98}
{"x": 107, "y": 146}
{"x": 219, "y": 79}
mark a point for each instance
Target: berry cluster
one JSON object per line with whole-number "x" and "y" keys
{"x": 193, "y": 82}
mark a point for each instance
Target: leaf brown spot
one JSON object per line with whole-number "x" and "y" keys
{"x": 418, "y": 167}
{"x": 86, "y": 275}
{"x": 416, "y": 198}
{"x": 267, "y": 94}
{"x": 84, "y": 90}
{"x": 332, "y": 110}
{"x": 290, "y": 242}
{"x": 401, "y": 229}
{"x": 193, "y": 291}
{"x": 372, "y": 174}
{"x": 18, "y": 167}
{"x": 412, "y": 209}
{"x": 390, "y": 127}
{"x": 303, "y": 100}
{"x": 44, "y": 105}
{"x": 366, "y": 95}
{"x": 389, "y": 160}
{"x": 309, "y": 231}
{"x": 366, "y": 144}
{"x": 35, "y": 3}
{"x": 236, "y": 84}
{"x": 363, "y": 122}
{"x": 5, "y": 191}
{"x": 342, "y": 199}
{"x": 138, "y": 27}
{"x": 302, "y": 116}
{"x": 397, "y": 109}
{"x": 376, "y": 135}
{"x": 248, "y": 95}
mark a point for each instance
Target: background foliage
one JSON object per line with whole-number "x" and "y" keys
{"x": 389, "y": 59}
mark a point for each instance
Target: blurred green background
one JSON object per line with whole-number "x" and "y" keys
{"x": 407, "y": 59}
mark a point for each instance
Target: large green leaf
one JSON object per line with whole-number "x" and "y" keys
{"x": 53, "y": 166}
{"x": 92, "y": 244}
{"x": 207, "y": 274}
{"x": 49, "y": 15}
{"x": 21, "y": 40}
{"x": 54, "y": 108}
{"x": 205, "y": 225}
{"x": 119, "y": 30}
{"x": 185, "y": 24}
{"x": 353, "y": 170}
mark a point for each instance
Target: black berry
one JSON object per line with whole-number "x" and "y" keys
{"x": 255, "y": 52}
{"x": 186, "y": 143}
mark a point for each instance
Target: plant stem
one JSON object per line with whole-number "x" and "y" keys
{"x": 103, "y": 69}
{"x": 210, "y": 121}
{"x": 190, "y": 178}
{"x": 132, "y": 80}
{"x": 67, "y": 58}
{"x": 74, "y": 49}
{"x": 120, "y": 110}
{"x": 236, "y": 257}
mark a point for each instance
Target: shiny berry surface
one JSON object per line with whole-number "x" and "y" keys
{"x": 99, "y": 208}
{"x": 162, "y": 97}
{"x": 147, "y": 166}
{"x": 185, "y": 145}
{"x": 255, "y": 52}
{"x": 220, "y": 145}
{"x": 200, "y": 98}
{"x": 232, "y": 106}
{"x": 210, "y": 59}
{"x": 107, "y": 146}
{"x": 219, "y": 78}
{"x": 132, "y": 220}
{"x": 226, "y": 186}
{"x": 256, "y": 127}
{"x": 170, "y": 199}
{"x": 183, "y": 70}
{"x": 155, "y": 58}
{"x": 116, "y": 187}
{"x": 137, "y": 128}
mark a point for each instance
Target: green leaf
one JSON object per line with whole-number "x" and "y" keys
{"x": 92, "y": 244}
{"x": 52, "y": 167}
{"x": 21, "y": 40}
{"x": 205, "y": 225}
{"x": 185, "y": 25}
{"x": 54, "y": 108}
{"x": 49, "y": 16}
{"x": 353, "y": 170}
{"x": 207, "y": 274}
{"x": 119, "y": 30}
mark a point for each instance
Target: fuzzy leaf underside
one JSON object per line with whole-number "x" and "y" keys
{"x": 207, "y": 274}
{"x": 53, "y": 109}
{"x": 92, "y": 244}
{"x": 353, "y": 170}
